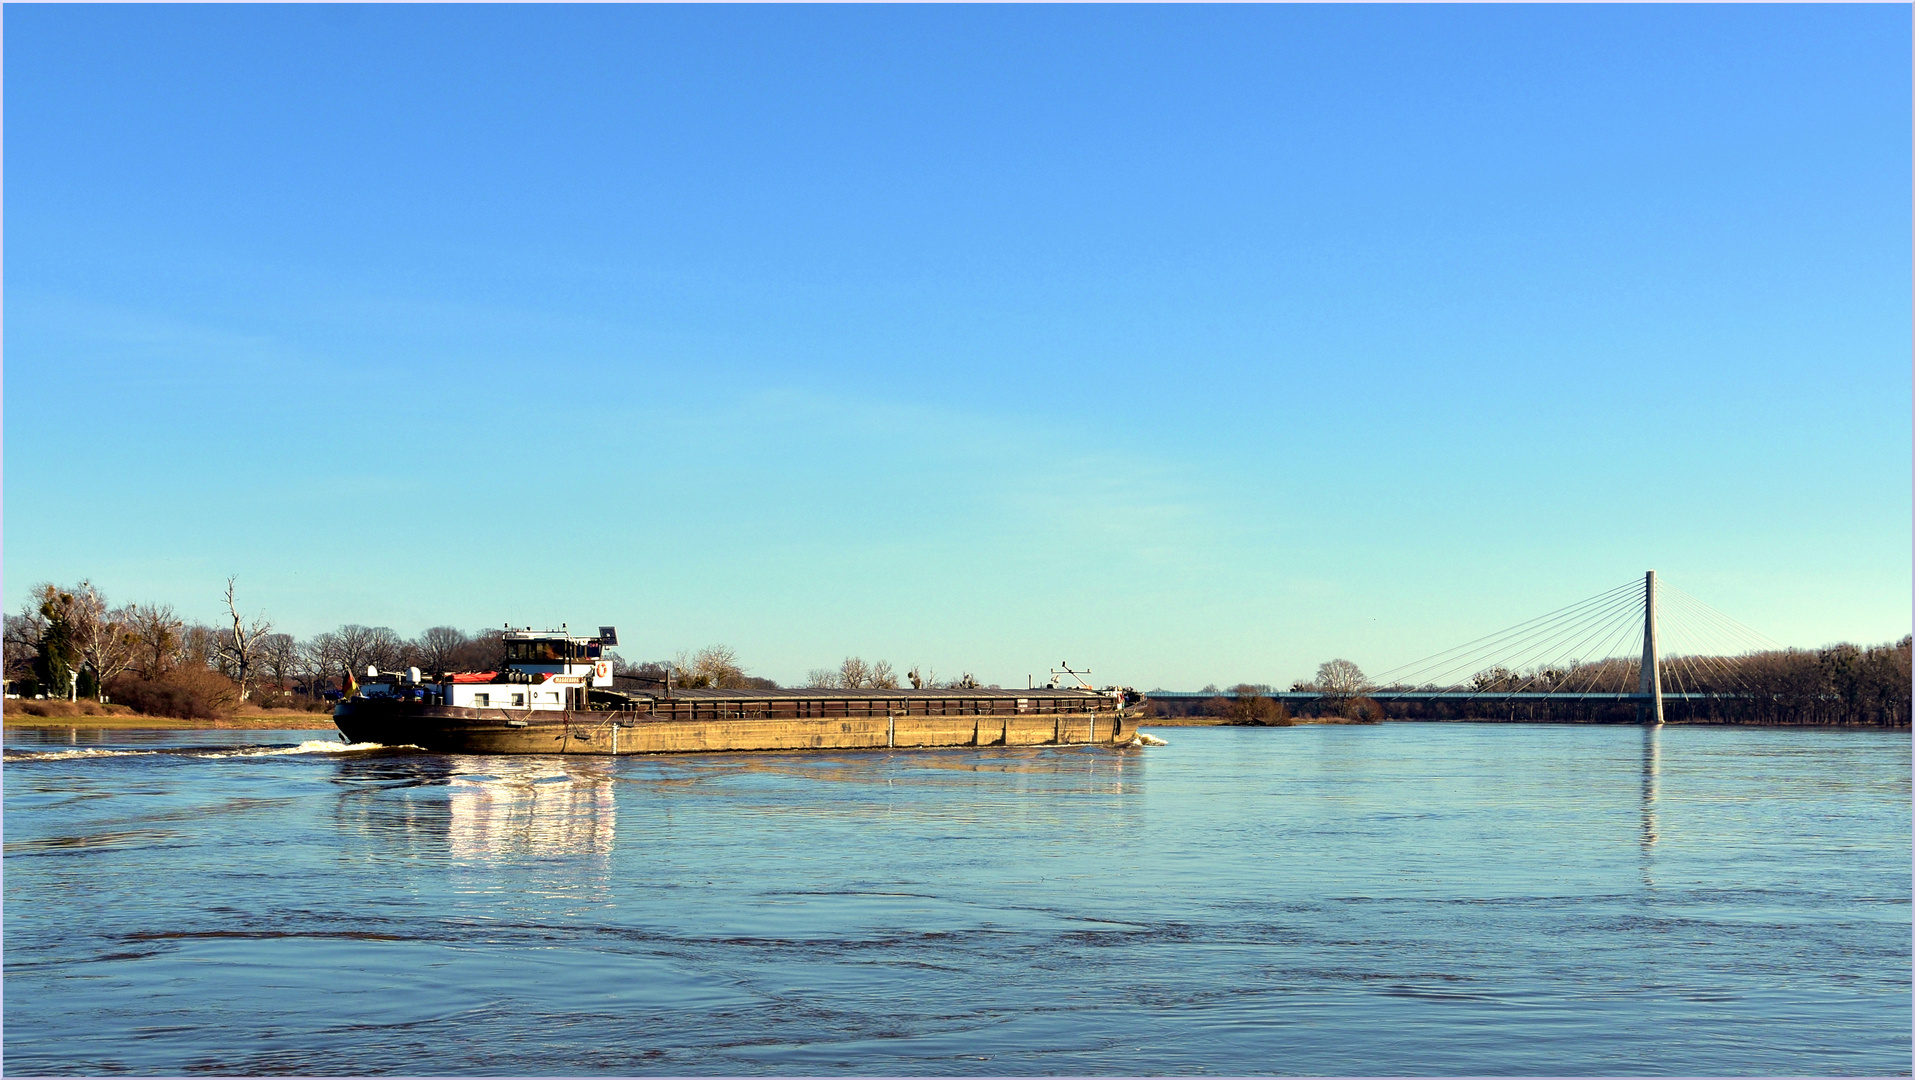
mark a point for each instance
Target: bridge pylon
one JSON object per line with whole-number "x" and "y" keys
{"x": 1649, "y": 709}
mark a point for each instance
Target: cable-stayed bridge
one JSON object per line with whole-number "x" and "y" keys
{"x": 1609, "y": 648}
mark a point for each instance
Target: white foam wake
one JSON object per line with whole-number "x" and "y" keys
{"x": 68, "y": 755}
{"x": 310, "y": 746}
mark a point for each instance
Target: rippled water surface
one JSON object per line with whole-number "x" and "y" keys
{"x": 1404, "y": 898}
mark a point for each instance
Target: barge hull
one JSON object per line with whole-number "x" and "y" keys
{"x": 513, "y": 731}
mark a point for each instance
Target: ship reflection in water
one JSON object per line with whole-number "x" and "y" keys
{"x": 505, "y": 807}
{"x": 468, "y": 808}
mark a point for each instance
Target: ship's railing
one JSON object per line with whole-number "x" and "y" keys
{"x": 857, "y": 708}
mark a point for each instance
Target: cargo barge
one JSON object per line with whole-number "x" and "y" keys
{"x": 557, "y": 694}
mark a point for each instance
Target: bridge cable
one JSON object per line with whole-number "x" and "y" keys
{"x": 1742, "y": 639}
{"x": 1517, "y": 661}
{"x": 1494, "y": 640}
{"x": 1747, "y": 633}
{"x": 1682, "y": 669}
{"x": 1709, "y": 637}
{"x": 1675, "y": 676}
{"x": 1449, "y": 660}
{"x": 1626, "y": 667}
{"x": 1707, "y": 644}
{"x": 1541, "y": 646}
{"x": 1716, "y": 667}
{"x": 1616, "y": 662}
{"x": 1620, "y": 615}
{"x": 1554, "y": 642}
{"x": 1622, "y": 611}
{"x": 1708, "y": 674}
{"x": 1611, "y": 636}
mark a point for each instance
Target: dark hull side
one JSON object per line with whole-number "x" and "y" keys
{"x": 519, "y": 731}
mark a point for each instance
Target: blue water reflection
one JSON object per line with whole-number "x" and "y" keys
{"x": 1374, "y": 899}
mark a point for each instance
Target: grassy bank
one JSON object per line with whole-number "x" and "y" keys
{"x": 20, "y": 715}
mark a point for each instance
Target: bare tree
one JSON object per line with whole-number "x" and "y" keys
{"x": 93, "y": 642}
{"x": 352, "y": 648}
{"x": 160, "y": 637}
{"x": 922, "y": 677}
{"x": 279, "y": 654}
{"x": 405, "y": 653}
{"x": 682, "y": 674}
{"x": 483, "y": 651}
{"x": 383, "y": 648}
{"x": 720, "y": 664}
{"x": 854, "y": 674}
{"x": 649, "y": 669}
{"x": 1497, "y": 678}
{"x": 199, "y": 647}
{"x": 713, "y": 665}
{"x": 438, "y": 648}
{"x": 84, "y": 611}
{"x": 24, "y": 631}
{"x": 239, "y": 647}
{"x": 316, "y": 661}
{"x": 650, "y": 674}
{"x": 108, "y": 643}
{"x": 1340, "y": 679}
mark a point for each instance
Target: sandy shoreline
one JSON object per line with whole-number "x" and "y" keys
{"x": 289, "y": 721}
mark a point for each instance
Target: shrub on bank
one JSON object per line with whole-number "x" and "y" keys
{"x": 1253, "y": 709}
{"x": 1250, "y": 708}
{"x": 271, "y": 697}
{"x": 64, "y": 710}
{"x": 184, "y": 693}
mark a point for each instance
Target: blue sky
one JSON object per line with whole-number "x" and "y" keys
{"x": 1197, "y": 344}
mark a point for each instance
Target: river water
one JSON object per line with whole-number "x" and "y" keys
{"x": 1404, "y": 898}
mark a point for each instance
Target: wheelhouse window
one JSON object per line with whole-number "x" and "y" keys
{"x": 536, "y": 652}
{"x": 482, "y": 700}
{"x": 548, "y": 651}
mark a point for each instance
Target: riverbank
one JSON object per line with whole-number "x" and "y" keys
{"x": 262, "y": 719}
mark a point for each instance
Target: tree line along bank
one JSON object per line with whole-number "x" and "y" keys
{"x": 1838, "y": 685}
{"x": 72, "y": 643}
